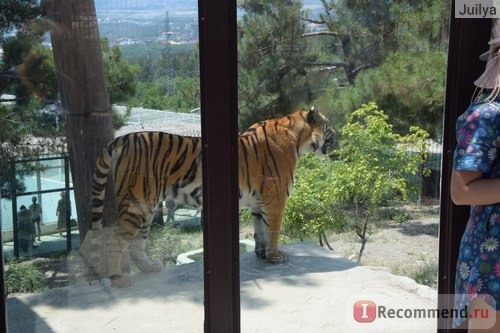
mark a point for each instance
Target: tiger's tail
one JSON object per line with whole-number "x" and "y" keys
{"x": 101, "y": 172}
{"x": 93, "y": 246}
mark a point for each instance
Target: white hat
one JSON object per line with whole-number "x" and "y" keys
{"x": 494, "y": 42}
{"x": 491, "y": 75}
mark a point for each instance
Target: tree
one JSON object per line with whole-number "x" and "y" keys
{"x": 422, "y": 25}
{"x": 80, "y": 69}
{"x": 408, "y": 86}
{"x": 26, "y": 67}
{"x": 272, "y": 57}
{"x": 170, "y": 81}
{"x": 157, "y": 94}
{"x": 279, "y": 68}
{"x": 15, "y": 144}
{"x": 120, "y": 74}
{"x": 25, "y": 72}
{"x": 312, "y": 201}
{"x": 17, "y": 13}
{"x": 28, "y": 73}
{"x": 372, "y": 168}
{"x": 363, "y": 33}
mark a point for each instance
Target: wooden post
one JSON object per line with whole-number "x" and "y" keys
{"x": 468, "y": 39}
{"x": 219, "y": 128}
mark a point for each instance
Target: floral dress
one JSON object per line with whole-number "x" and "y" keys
{"x": 478, "y": 265}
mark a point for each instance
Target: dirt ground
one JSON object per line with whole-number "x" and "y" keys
{"x": 407, "y": 248}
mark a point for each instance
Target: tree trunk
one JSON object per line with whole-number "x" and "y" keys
{"x": 364, "y": 239}
{"x": 322, "y": 237}
{"x": 84, "y": 97}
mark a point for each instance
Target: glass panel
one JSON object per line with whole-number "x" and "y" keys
{"x": 38, "y": 211}
{"x": 150, "y": 79}
{"x": 365, "y": 217}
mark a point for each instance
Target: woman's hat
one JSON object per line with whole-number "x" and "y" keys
{"x": 491, "y": 75}
{"x": 494, "y": 42}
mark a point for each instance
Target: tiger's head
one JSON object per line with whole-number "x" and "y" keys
{"x": 322, "y": 139}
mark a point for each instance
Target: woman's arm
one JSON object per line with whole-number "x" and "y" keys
{"x": 469, "y": 188}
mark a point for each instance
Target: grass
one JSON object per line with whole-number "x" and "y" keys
{"x": 426, "y": 274}
{"x": 423, "y": 272}
{"x": 166, "y": 243}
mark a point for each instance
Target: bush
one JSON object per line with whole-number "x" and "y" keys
{"x": 310, "y": 210}
{"x": 23, "y": 277}
{"x": 370, "y": 169}
{"x": 425, "y": 273}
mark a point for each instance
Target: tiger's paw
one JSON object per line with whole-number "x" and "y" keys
{"x": 260, "y": 253}
{"x": 121, "y": 281}
{"x": 152, "y": 266}
{"x": 276, "y": 257}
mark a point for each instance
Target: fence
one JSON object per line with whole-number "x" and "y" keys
{"x": 47, "y": 184}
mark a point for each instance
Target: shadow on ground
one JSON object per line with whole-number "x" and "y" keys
{"x": 309, "y": 293}
{"x": 415, "y": 228}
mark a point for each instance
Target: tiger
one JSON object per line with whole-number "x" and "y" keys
{"x": 152, "y": 167}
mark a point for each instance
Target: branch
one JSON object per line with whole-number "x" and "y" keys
{"x": 362, "y": 67}
{"x": 321, "y": 33}
{"x": 313, "y": 21}
{"x": 359, "y": 233}
{"x": 323, "y": 63}
{"x": 327, "y": 69}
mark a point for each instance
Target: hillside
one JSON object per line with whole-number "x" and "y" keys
{"x": 171, "y": 5}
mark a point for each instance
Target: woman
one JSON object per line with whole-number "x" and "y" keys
{"x": 475, "y": 181}
{"x": 62, "y": 208}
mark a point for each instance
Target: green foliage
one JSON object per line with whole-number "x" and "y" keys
{"x": 425, "y": 272}
{"x": 16, "y": 119}
{"x": 23, "y": 277}
{"x": 29, "y": 74}
{"x": 119, "y": 118}
{"x": 120, "y": 74}
{"x": 169, "y": 81}
{"x": 310, "y": 210}
{"x": 373, "y": 161}
{"x": 422, "y": 25}
{"x": 364, "y": 33}
{"x": 273, "y": 76}
{"x": 370, "y": 169}
{"x": 34, "y": 73}
{"x": 159, "y": 60}
{"x": 15, "y": 13}
{"x": 408, "y": 86}
{"x": 179, "y": 94}
{"x": 389, "y": 52}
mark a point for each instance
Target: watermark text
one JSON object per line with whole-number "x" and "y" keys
{"x": 477, "y": 8}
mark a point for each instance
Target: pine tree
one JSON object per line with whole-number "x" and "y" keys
{"x": 272, "y": 75}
